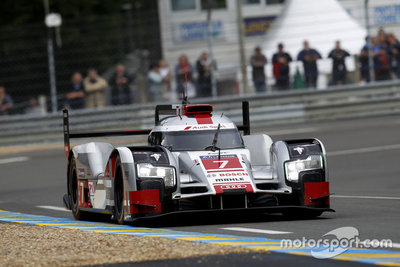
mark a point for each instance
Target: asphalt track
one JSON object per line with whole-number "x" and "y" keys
{"x": 364, "y": 175}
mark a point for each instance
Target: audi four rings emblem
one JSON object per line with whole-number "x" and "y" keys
{"x": 233, "y": 186}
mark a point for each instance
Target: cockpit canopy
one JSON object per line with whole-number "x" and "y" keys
{"x": 197, "y": 140}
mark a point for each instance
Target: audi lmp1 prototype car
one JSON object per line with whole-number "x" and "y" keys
{"x": 195, "y": 160}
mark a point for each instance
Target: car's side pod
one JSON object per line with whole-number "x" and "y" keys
{"x": 302, "y": 163}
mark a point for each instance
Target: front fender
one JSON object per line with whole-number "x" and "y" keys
{"x": 128, "y": 167}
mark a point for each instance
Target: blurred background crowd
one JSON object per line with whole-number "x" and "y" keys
{"x": 109, "y": 53}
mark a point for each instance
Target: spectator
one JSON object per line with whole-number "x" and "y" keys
{"x": 184, "y": 76}
{"x": 76, "y": 92}
{"x": 6, "y": 101}
{"x": 381, "y": 59}
{"x": 281, "y": 61}
{"x": 166, "y": 83}
{"x": 155, "y": 80}
{"x": 309, "y": 57}
{"x": 94, "y": 87}
{"x": 394, "y": 54}
{"x": 33, "y": 108}
{"x": 381, "y": 38}
{"x": 257, "y": 62}
{"x": 364, "y": 62}
{"x": 204, "y": 66}
{"x": 339, "y": 70}
{"x": 120, "y": 89}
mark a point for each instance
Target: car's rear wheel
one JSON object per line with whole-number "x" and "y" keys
{"x": 73, "y": 191}
{"x": 119, "y": 210}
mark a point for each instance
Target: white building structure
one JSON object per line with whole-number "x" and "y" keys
{"x": 183, "y": 25}
{"x": 321, "y": 23}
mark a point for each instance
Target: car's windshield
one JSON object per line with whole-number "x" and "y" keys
{"x": 199, "y": 140}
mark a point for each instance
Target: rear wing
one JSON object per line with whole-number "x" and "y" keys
{"x": 160, "y": 110}
{"x": 175, "y": 110}
{"x": 68, "y": 135}
{"x": 245, "y": 127}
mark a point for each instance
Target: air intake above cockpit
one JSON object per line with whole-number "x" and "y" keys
{"x": 197, "y": 109}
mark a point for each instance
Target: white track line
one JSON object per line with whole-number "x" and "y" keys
{"x": 251, "y": 230}
{"x": 395, "y": 245}
{"x": 53, "y": 208}
{"x": 12, "y": 160}
{"x": 364, "y": 150}
{"x": 366, "y": 197}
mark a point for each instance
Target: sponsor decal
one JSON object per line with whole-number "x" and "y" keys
{"x": 221, "y": 180}
{"x": 91, "y": 191}
{"x": 258, "y": 26}
{"x": 156, "y": 156}
{"x": 226, "y": 172}
{"x": 386, "y": 14}
{"x": 299, "y": 149}
{"x": 233, "y": 174}
{"x": 198, "y": 30}
{"x": 336, "y": 242}
{"x": 83, "y": 194}
{"x": 204, "y": 127}
{"x": 81, "y": 173}
{"x": 197, "y": 127}
{"x": 220, "y": 188}
{"x": 224, "y": 163}
{"x": 233, "y": 186}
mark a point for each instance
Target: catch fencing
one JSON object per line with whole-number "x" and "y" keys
{"x": 265, "y": 109}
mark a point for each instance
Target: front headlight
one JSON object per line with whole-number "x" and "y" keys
{"x": 293, "y": 168}
{"x": 146, "y": 170}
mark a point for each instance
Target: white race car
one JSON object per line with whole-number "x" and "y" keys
{"x": 195, "y": 160}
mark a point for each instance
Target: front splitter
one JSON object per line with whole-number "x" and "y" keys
{"x": 287, "y": 210}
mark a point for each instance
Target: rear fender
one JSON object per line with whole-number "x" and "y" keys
{"x": 94, "y": 156}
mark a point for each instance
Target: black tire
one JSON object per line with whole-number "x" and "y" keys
{"x": 119, "y": 209}
{"x": 73, "y": 193}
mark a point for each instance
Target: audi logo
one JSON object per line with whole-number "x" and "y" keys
{"x": 233, "y": 186}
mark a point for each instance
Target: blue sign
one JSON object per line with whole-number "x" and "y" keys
{"x": 196, "y": 31}
{"x": 258, "y": 26}
{"x": 386, "y": 14}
